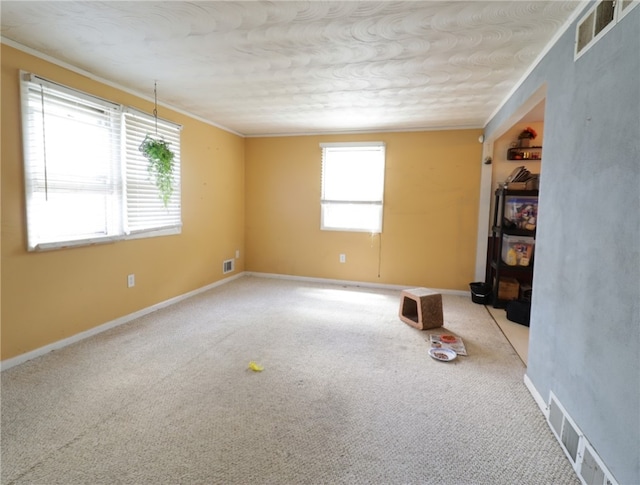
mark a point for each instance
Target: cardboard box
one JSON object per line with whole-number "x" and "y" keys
{"x": 508, "y": 289}
{"x": 531, "y": 184}
{"x": 421, "y": 308}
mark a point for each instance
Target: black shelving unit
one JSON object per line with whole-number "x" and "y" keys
{"x": 497, "y": 269}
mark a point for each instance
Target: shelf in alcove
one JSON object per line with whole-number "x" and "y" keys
{"x": 525, "y": 154}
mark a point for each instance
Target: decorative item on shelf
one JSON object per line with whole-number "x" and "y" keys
{"x": 160, "y": 158}
{"x": 524, "y": 138}
{"x": 519, "y": 153}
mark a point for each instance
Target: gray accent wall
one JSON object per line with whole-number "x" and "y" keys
{"x": 585, "y": 324}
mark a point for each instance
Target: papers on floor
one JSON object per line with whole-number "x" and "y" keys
{"x": 447, "y": 341}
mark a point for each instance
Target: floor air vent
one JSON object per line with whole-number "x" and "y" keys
{"x": 227, "y": 266}
{"x": 586, "y": 462}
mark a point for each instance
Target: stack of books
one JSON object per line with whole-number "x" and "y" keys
{"x": 522, "y": 179}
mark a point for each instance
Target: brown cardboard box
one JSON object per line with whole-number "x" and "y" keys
{"x": 531, "y": 184}
{"x": 508, "y": 289}
{"x": 421, "y": 308}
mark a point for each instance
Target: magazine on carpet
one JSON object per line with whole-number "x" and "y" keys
{"x": 448, "y": 342}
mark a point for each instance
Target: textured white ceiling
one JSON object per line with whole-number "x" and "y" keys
{"x": 261, "y": 68}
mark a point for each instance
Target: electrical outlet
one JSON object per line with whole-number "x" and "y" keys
{"x": 131, "y": 281}
{"x": 343, "y": 258}
{"x": 237, "y": 254}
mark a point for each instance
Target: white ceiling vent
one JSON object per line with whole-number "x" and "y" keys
{"x": 598, "y": 21}
{"x": 587, "y": 464}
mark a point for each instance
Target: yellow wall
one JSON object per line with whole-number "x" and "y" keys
{"x": 53, "y": 295}
{"x": 430, "y": 211}
{"x": 257, "y": 195}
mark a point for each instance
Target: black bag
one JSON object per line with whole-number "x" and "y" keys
{"x": 519, "y": 312}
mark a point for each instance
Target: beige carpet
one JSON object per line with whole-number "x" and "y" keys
{"x": 348, "y": 395}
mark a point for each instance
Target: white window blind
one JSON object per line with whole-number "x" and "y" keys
{"x": 72, "y": 164}
{"x": 145, "y": 208}
{"x": 352, "y": 186}
{"x": 85, "y": 179}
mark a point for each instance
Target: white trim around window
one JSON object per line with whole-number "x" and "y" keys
{"x": 352, "y": 186}
{"x": 82, "y": 166}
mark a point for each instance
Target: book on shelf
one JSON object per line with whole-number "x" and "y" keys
{"x": 521, "y": 179}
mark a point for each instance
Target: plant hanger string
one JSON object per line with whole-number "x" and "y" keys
{"x": 160, "y": 157}
{"x": 155, "y": 104}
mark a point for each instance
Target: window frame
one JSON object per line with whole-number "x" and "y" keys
{"x": 589, "y": 19}
{"x": 116, "y": 219}
{"x": 376, "y": 203}
{"x": 135, "y": 158}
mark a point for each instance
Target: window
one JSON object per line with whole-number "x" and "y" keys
{"x": 352, "y": 186}
{"x": 598, "y": 21}
{"x": 144, "y": 207}
{"x": 83, "y": 173}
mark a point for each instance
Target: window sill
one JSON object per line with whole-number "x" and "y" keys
{"x": 50, "y": 246}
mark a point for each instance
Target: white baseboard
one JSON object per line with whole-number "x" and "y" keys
{"x": 12, "y": 362}
{"x": 536, "y": 396}
{"x": 362, "y": 284}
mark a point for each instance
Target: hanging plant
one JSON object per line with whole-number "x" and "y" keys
{"x": 160, "y": 158}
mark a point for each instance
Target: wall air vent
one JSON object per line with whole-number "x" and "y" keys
{"x": 590, "y": 470}
{"x": 586, "y": 462}
{"x": 598, "y": 21}
{"x": 570, "y": 439}
{"x": 556, "y": 416}
{"x": 228, "y": 266}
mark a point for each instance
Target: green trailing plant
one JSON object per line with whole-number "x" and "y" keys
{"x": 160, "y": 158}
